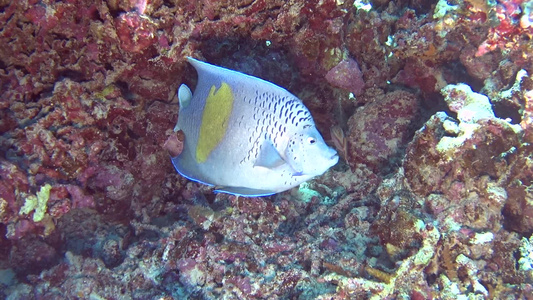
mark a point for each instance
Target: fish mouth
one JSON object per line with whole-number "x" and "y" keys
{"x": 334, "y": 157}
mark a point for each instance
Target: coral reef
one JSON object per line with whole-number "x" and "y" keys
{"x": 430, "y": 103}
{"x": 380, "y": 130}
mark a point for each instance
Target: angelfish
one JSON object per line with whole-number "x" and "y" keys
{"x": 247, "y": 136}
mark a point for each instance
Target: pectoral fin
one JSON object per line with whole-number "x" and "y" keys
{"x": 268, "y": 156}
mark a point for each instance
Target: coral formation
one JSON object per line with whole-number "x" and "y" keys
{"x": 379, "y": 131}
{"x": 431, "y": 103}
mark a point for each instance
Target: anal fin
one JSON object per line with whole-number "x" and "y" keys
{"x": 243, "y": 191}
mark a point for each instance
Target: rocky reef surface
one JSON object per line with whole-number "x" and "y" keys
{"x": 429, "y": 103}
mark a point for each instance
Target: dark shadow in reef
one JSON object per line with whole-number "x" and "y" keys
{"x": 254, "y": 58}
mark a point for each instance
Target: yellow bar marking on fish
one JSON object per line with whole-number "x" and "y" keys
{"x": 215, "y": 119}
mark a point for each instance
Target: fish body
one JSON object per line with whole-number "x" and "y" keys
{"x": 247, "y": 136}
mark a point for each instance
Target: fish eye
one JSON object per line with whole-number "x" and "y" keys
{"x": 311, "y": 140}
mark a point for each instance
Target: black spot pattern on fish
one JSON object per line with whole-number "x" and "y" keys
{"x": 272, "y": 115}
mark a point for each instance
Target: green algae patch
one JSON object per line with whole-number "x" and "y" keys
{"x": 37, "y": 204}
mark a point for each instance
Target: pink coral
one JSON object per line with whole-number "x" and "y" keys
{"x": 135, "y": 31}
{"x": 347, "y": 75}
{"x": 506, "y": 35}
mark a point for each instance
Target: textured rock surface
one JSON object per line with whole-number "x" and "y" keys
{"x": 380, "y": 130}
